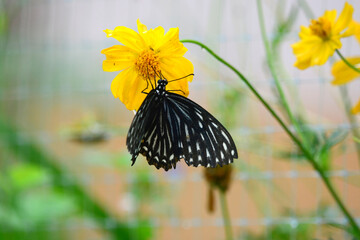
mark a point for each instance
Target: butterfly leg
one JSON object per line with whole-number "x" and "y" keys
{"x": 147, "y": 85}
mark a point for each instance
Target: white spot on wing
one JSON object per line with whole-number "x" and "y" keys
{"x": 207, "y": 153}
{"x": 197, "y": 146}
{"x": 225, "y": 147}
{"x": 225, "y": 136}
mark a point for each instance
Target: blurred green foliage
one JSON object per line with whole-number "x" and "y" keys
{"x": 29, "y": 205}
{"x": 37, "y": 193}
{"x": 322, "y": 144}
{"x": 284, "y": 232}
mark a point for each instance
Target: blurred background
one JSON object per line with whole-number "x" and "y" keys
{"x": 64, "y": 169}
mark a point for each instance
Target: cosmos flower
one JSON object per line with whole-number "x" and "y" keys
{"x": 141, "y": 59}
{"x": 320, "y": 40}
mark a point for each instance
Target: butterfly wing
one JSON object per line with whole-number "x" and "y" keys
{"x": 150, "y": 133}
{"x": 199, "y": 137}
{"x": 140, "y": 124}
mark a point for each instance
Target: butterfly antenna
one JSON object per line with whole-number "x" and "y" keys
{"x": 156, "y": 74}
{"x": 191, "y": 74}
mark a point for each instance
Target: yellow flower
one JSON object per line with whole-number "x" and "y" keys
{"x": 141, "y": 58}
{"x": 320, "y": 40}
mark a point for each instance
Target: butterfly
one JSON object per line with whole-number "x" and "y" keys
{"x": 169, "y": 127}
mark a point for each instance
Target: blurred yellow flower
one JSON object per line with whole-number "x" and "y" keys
{"x": 320, "y": 40}
{"x": 142, "y": 58}
{"x": 343, "y": 73}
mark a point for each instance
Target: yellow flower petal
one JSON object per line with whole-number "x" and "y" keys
{"x": 343, "y": 73}
{"x": 118, "y": 58}
{"x": 134, "y": 96}
{"x": 355, "y": 29}
{"x": 119, "y": 82}
{"x": 330, "y": 15}
{"x": 351, "y": 30}
{"x": 322, "y": 54}
{"x": 344, "y": 18}
{"x": 153, "y": 36}
{"x": 304, "y": 32}
{"x": 127, "y": 36}
{"x": 170, "y": 45}
{"x": 114, "y": 65}
{"x": 141, "y": 27}
{"x": 127, "y": 86}
{"x": 356, "y": 109}
{"x": 174, "y": 68}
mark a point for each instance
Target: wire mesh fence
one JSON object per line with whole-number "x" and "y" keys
{"x": 65, "y": 170}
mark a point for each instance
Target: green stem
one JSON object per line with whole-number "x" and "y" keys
{"x": 308, "y": 12}
{"x": 347, "y": 62}
{"x": 226, "y": 216}
{"x": 351, "y": 118}
{"x": 270, "y": 62}
{"x": 307, "y": 154}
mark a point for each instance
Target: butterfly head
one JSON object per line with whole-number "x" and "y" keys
{"x": 162, "y": 84}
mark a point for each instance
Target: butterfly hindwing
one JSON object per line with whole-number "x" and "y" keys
{"x": 204, "y": 140}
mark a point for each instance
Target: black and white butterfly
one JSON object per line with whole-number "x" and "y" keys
{"x": 169, "y": 127}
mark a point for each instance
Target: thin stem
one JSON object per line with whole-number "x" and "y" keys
{"x": 308, "y": 12}
{"x": 347, "y": 62}
{"x": 307, "y": 154}
{"x": 270, "y": 62}
{"x": 351, "y": 118}
{"x": 225, "y": 215}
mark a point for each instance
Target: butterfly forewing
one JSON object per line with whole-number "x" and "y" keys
{"x": 151, "y": 135}
{"x": 140, "y": 124}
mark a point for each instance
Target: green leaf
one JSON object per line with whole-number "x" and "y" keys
{"x": 336, "y": 137}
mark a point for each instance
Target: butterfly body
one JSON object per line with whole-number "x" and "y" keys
{"x": 169, "y": 127}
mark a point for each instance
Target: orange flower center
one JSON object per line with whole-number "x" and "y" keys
{"x": 321, "y": 28}
{"x": 147, "y": 64}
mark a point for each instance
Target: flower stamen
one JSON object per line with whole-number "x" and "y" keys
{"x": 321, "y": 28}
{"x": 147, "y": 64}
